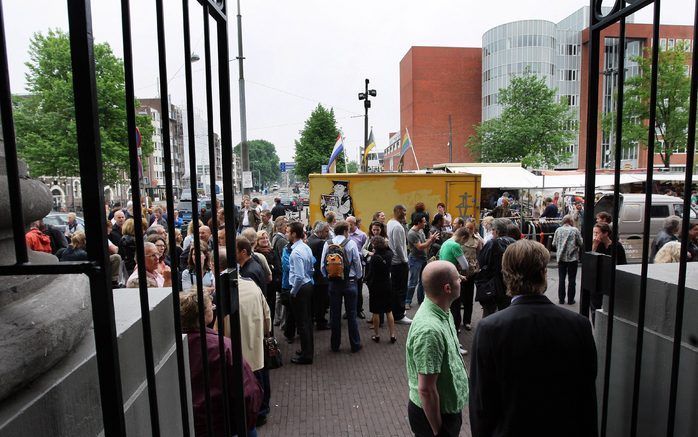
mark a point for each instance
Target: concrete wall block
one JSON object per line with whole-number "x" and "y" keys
{"x": 65, "y": 401}
{"x": 656, "y": 355}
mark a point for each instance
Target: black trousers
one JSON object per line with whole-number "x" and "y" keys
{"x": 567, "y": 270}
{"x": 360, "y": 295}
{"x": 450, "y": 423}
{"x": 270, "y": 295}
{"x": 321, "y": 302}
{"x": 301, "y": 305}
{"x": 398, "y": 277}
{"x": 467, "y": 291}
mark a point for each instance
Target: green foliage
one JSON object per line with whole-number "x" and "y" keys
{"x": 315, "y": 145}
{"x": 673, "y": 89}
{"x": 532, "y": 129}
{"x": 263, "y": 157}
{"x": 352, "y": 167}
{"x": 45, "y": 119}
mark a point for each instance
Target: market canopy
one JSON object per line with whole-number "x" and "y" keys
{"x": 496, "y": 175}
{"x": 510, "y": 175}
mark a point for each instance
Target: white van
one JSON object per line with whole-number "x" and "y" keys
{"x": 631, "y": 220}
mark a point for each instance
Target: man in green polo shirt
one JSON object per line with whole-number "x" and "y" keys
{"x": 438, "y": 384}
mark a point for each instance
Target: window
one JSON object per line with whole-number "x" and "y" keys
{"x": 662, "y": 43}
{"x": 631, "y": 213}
{"x": 568, "y": 75}
{"x": 76, "y": 189}
{"x": 569, "y": 49}
{"x": 671, "y": 43}
{"x": 659, "y": 211}
{"x": 569, "y": 99}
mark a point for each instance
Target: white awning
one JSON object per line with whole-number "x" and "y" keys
{"x": 513, "y": 176}
{"x": 500, "y": 175}
{"x": 576, "y": 180}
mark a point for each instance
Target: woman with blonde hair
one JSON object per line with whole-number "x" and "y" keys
{"x": 669, "y": 253}
{"x": 76, "y": 250}
{"x": 127, "y": 245}
{"x": 189, "y": 239}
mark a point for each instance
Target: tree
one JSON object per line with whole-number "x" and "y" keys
{"x": 263, "y": 157}
{"x": 315, "y": 145}
{"x": 45, "y": 119}
{"x": 352, "y": 167}
{"x": 673, "y": 89}
{"x": 532, "y": 129}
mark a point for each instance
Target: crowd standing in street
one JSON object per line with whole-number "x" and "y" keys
{"x": 307, "y": 280}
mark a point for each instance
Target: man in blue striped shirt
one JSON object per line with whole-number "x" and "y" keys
{"x": 301, "y": 280}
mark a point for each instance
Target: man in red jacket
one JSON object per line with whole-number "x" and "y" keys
{"x": 37, "y": 240}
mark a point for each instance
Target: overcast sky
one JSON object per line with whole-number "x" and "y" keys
{"x": 300, "y": 53}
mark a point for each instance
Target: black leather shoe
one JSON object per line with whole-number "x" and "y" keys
{"x": 301, "y": 360}
{"x": 322, "y": 327}
{"x": 355, "y": 350}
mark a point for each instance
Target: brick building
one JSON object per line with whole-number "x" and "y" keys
{"x": 436, "y": 82}
{"x": 465, "y": 83}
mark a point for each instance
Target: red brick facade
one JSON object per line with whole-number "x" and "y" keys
{"x": 436, "y": 82}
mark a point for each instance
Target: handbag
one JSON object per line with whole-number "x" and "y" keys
{"x": 272, "y": 353}
{"x": 486, "y": 290}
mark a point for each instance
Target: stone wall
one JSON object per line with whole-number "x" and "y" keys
{"x": 656, "y": 355}
{"x": 65, "y": 401}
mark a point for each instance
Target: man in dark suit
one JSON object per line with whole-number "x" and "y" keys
{"x": 533, "y": 365}
{"x": 321, "y": 297}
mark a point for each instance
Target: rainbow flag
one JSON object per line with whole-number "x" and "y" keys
{"x": 338, "y": 148}
{"x": 406, "y": 143}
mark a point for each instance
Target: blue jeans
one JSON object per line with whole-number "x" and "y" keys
{"x": 343, "y": 290}
{"x": 416, "y": 266}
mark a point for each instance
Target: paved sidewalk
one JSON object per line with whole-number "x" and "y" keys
{"x": 362, "y": 394}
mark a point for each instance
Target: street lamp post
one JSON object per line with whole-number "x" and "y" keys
{"x": 244, "y": 147}
{"x": 367, "y": 104}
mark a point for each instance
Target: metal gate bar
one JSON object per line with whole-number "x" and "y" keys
{"x": 90, "y": 156}
{"x": 639, "y": 343}
{"x": 681, "y": 289}
{"x": 230, "y": 277}
{"x": 138, "y": 220}
{"x": 8, "y": 132}
{"x": 214, "y": 210}
{"x": 169, "y": 192}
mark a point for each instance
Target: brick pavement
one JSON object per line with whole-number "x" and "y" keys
{"x": 362, "y": 394}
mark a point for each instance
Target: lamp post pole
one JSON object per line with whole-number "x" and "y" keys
{"x": 367, "y": 104}
{"x": 244, "y": 150}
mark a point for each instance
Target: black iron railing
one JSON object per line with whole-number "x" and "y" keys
{"x": 599, "y": 22}
{"x": 90, "y": 156}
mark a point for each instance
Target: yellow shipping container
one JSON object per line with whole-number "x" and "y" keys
{"x": 363, "y": 194}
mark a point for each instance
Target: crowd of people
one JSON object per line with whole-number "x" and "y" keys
{"x": 304, "y": 280}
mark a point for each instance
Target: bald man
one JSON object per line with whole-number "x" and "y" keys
{"x": 438, "y": 383}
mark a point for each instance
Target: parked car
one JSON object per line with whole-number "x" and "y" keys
{"x": 184, "y": 208}
{"x": 304, "y": 197}
{"x": 291, "y": 202}
{"x": 60, "y": 220}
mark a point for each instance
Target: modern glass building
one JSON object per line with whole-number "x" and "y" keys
{"x": 549, "y": 50}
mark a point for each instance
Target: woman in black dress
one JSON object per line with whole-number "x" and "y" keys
{"x": 379, "y": 286}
